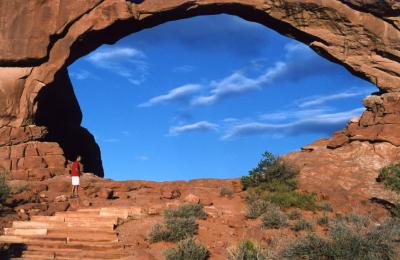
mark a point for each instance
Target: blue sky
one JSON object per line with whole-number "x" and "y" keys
{"x": 205, "y": 97}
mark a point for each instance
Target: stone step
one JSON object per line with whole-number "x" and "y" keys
{"x": 106, "y": 219}
{"x": 25, "y": 231}
{"x": 77, "y": 214}
{"x": 95, "y": 225}
{"x": 30, "y": 258}
{"x": 47, "y": 218}
{"x": 84, "y": 236}
{"x": 71, "y": 240}
{"x": 40, "y": 245}
{"x": 96, "y": 255}
{"x": 121, "y": 212}
{"x": 92, "y": 219}
{"x": 9, "y": 239}
{"x": 38, "y": 254}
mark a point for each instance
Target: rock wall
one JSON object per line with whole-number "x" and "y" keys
{"x": 40, "y": 38}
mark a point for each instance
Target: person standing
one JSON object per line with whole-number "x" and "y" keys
{"x": 75, "y": 174}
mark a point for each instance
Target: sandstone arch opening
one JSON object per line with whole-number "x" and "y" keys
{"x": 135, "y": 43}
{"x": 361, "y": 38}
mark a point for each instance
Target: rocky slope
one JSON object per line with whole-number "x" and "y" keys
{"x": 225, "y": 226}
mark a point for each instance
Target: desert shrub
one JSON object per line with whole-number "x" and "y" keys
{"x": 323, "y": 221}
{"x": 303, "y": 224}
{"x": 258, "y": 207}
{"x": 158, "y": 233}
{"x": 173, "y": 229}
{"x": 4, "y": 188}
{"x": 187, "y": 249}
{"x": 344, "y": 242}
{"x": 179, "y": 224}
{"x": 187, "y": 211}
{"x": 310, "y": 247}
{"x": 279, "y": 194}
{"x": 301, "y": 200}
{"x": 248, "y": 250}
{"x": 325, "y": 206}
{"x": 271, "y": 168}
{"x": 390, "y": 176}
{"x": 226, "y": 192}
{"x": 358, "y": 220}
{"x": 295, "y": 214}
{"x": 274, "y": 219}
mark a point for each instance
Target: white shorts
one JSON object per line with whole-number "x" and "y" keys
{"x": 75, "y": 180}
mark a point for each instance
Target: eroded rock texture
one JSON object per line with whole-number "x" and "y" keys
{"x": 40, "y": 38}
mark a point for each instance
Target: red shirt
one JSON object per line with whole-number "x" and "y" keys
{"x": 75, "y": 169}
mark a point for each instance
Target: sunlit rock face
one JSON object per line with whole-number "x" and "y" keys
{"x": 40, "y": 116}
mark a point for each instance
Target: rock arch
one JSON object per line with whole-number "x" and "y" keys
{"x": 40, "y": 38}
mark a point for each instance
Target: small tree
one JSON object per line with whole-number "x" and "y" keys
{"x": 271, "y": 169}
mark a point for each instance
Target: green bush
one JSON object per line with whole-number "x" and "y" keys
{"x": 248, "y": 250}
{"x": 226, "y": 192}
{"x": 323, "y": 221}
{"x": 274, "y": 219}
{"x": 258, "y": 207}
{"x": 295, "y": 214}
{"x": 186, "y": 211}
{"x": 344, "y": 242}
{"x": 311, "y": 247}
{"x": 358, "y": 220}
{"x": 279, "y": 194}
{"x": 173, "y": 230}
{"x": 4, "y": 188}
{"x": 301, "y": 200}
{"x": 390, "y": 176}
{"x": 271, "y": 168}
{"x": 303, "y": 224}
{"x": 179, "y": 224}
{"x": 187, "y": 249}
{"x": 325, "y": 206}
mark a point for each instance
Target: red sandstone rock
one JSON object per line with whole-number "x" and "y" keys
{"x": 191, "y": 199}
{"x": 105, "y": 193}
{"x": 61, "y": 198}
{"x": 171, "y": 193}
{"x": 57, "y": 207}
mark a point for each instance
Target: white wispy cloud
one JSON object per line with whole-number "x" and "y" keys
{"x": 198, "y": 126}
{"x": 110, "y": 140}
{"x": 294, "y": 114}
{"x": 126, "y": 62}
{"x": 237, "y": 83}
{"x": 177, "y": 94}
{"x": 183, "y": 69}
{"x": 142, "y": 158}
{"x": 319, "y": 123}
{"x": 79, "y": 74}
{"x": 126, "y": 133}
{"x": 319, "y": 100}
{"x": 299, "y": 62}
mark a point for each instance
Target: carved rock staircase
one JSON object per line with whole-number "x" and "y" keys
{"x": 83, "y": 234}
